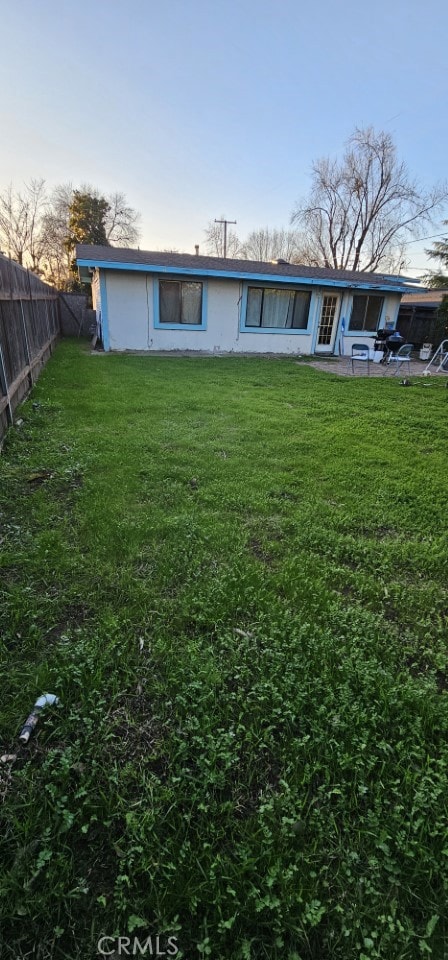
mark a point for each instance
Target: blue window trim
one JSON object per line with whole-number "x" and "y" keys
{"x": 381, "y": 318}
{"x": 180, "y": 326}
{"x": 304, "y": 331}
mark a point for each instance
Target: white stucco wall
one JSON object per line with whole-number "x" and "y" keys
{"x": 130, "y": 312}
{"x": 130, "y": 317}
{"x": 127, "y": 310}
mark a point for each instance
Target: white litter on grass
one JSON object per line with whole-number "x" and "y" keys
{"x": 47, "y": 699}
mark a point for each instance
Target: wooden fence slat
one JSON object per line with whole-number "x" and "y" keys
{"x": 5, "y": 402}
{"x": 28, "y": 330}
{"x": 15, "y": 386}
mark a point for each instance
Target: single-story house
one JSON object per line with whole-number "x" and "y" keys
{"x": 177, "y": 301}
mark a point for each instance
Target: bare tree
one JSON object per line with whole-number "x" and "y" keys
{"x": 21, "y": 223}
{"x": 34, "y": 226}
{"x": 214, "y": 240}
{"x": 56, "y": 256}
{"x": 362, "y": 209}
{"x": 122, "y": 222}
{"x": 272, "y": 244}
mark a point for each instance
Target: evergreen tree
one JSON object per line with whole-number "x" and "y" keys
{"x": 439, "y": 252}
{"x": 86, "y": 224}
{"x": 440, "y": 281}
{"x": 87, "y": 219}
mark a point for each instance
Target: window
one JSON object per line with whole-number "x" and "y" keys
{"x": 180, "y": 303}
{"x": 366, "y": 312}
{"x": 277, "y": 309}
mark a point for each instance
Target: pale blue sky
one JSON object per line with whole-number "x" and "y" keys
{"x": 196, "y": 109}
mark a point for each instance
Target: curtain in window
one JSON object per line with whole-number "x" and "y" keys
{"x": 253, "y": 313}
{"x": 169, "y": 302}
{"x": 276, "y": 308}
{"x": 301, "y": 310}
{"x": 180, "y": 302}
{"x": 191, "y": 303}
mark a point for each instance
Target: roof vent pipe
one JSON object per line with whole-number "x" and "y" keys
{"x": 196, "y": 249}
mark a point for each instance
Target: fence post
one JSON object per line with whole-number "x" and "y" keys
{"x": 47, "y": 320}
{"x": 58, "y": 312}
{"x": 5, "y": 388}
{"x": 31, "y": 300}
{"x": 27, "y": 346}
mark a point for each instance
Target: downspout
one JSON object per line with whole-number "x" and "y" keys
{"x": 149, "y": 340}
{"x": 104, "y": 314}
{"x": 238, "y": 313}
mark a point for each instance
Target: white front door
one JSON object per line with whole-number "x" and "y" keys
{"x": 328, "y": 323}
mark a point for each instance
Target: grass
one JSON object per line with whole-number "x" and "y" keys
{"x": 233, "y": 573}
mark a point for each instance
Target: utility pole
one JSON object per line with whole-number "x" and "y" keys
{"x": 225, "y": 222}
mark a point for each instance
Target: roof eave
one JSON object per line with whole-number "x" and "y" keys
{"x": 242, "y": 275}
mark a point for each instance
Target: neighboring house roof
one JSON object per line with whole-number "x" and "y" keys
{"x": 425, "y": 298}
{"x": 123, "y": 258}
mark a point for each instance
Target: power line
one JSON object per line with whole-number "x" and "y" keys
{"x": 432, "y": 237}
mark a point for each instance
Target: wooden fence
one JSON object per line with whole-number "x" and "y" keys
{"x": 29, "y": 327}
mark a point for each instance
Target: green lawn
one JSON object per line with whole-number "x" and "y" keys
{"x": 233, "y": 573}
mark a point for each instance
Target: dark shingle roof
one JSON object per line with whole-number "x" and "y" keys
{"x": 124, "y": 255}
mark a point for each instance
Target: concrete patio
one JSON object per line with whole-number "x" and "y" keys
{"x": 342, "y": 366}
